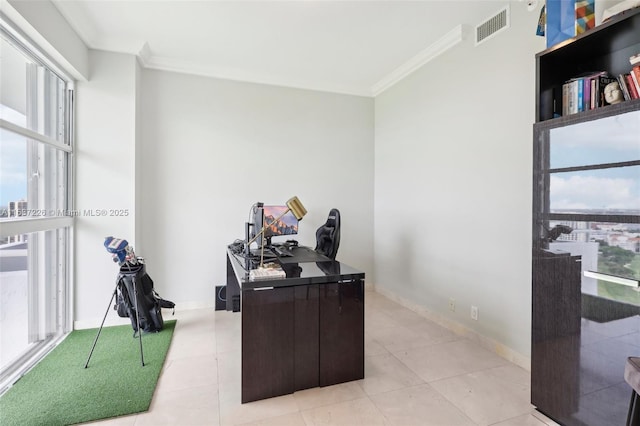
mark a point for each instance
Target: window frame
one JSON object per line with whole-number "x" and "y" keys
{"x": 50, "y": 258}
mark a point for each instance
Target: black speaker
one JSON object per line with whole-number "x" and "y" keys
{"x": 221, "y": 298}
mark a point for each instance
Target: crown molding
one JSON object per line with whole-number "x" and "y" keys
{"x": 149, "y": 61}
{"x": 443, "y": 44}
{"x": 144, "y": 55}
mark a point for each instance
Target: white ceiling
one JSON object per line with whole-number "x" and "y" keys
{"x": 337, "y": 46}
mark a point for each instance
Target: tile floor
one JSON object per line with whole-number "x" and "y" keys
{"x": 416, "y": 373}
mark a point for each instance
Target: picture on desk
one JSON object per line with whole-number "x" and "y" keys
{"x": 285, "y": 225}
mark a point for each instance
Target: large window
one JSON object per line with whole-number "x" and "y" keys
{"x": 36, "y": 224}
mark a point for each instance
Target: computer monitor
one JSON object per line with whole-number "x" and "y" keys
{"x": 286, "y": 224}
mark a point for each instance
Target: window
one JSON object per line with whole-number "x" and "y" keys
{"x": 36, "y": 224}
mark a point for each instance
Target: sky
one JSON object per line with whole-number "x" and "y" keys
{"x": 596, "y": 189}
{"x": 608, "y": 140}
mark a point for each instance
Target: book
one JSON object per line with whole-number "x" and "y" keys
{"x": 266, "y": 273}
{"x": 622, "y": 81}
{"x": 586, "y": 94}
{"x": 601, "y": 83}
{"x": 631, "y": 87}
{"x": 580, "y": 95}
{"x": 635, "y": 59}
{"x": 569, "y": 97}
{"x": 573, "y": 97}
{"x": 635, "y": 75}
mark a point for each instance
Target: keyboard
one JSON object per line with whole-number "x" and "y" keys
{"x": 267, "y": 253}
{"x": 281, "y": 252}
{"x": 261, "y": 274}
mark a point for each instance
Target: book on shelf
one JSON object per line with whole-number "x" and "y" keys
{"x": 635, "y": 75}
{"x": 601, "y": 83}
{"x": 579, "y": 90}
{"x": 622, "y": 82}
{"x": 571, "y": 96}
{"x": 631, "y": 86}
{"x": 585, "y": 92}
{"x": 635, "y": 59}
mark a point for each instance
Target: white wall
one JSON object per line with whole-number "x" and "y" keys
{"x": 104, "y": 177}
{"x": 211, "y": 148}
{"x": 139, "y": 247}
{"x": 453, "y": 184}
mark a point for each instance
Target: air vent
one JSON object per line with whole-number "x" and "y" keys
{"x": 492, "y": 26}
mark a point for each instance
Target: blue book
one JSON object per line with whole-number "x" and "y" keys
{"x": 580, "y": 95}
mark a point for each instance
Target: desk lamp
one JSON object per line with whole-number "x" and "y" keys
{"x": 294, "y": 206}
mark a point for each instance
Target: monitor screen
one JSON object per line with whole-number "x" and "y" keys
{"x": 285, "y": 225}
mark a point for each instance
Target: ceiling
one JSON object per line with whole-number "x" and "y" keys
{"x": 353, "y": 47}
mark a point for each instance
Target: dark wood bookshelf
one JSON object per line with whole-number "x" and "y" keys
{"x": 571, "y": 377}
{"x": 606, "y": 47}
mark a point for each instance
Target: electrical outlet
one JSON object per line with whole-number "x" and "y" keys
{"x": 452, "y": 305}
{"x": 474, "y": 313}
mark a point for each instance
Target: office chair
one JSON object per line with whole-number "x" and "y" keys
{"x": 328, "y": 235}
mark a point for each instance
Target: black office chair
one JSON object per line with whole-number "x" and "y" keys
{"x": 328, "y": 235}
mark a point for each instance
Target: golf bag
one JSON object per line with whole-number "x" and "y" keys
{"x": 148, "y": 302}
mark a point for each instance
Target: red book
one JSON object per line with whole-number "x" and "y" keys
{"x": 635, "y": 75}
{"x": 631, "y": 86}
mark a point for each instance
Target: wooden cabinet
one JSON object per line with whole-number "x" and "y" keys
{"x": 555, "y": 335}
{"x": 307, "y": 337}
{"x": 299, "y": 331}
{"x": 341, "y": 332}
{"x": 267, "y": 343}
{"x": 300, "y": 337}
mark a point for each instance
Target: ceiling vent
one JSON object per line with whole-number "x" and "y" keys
{"x": 492, "y": 26}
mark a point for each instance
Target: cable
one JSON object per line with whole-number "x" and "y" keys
{"x": 220, "y": 294}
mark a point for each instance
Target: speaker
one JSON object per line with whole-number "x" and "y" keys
{"x": 221, "y": 298}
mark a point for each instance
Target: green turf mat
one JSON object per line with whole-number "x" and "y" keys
{"x": 60, "y": 391}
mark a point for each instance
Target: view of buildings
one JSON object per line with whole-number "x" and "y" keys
{"x": 13, "y": 209}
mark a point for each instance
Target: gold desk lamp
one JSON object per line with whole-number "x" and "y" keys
{"x": 294, "y": 206}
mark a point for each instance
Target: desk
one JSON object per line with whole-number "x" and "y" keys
{"x": 302, "y": 331}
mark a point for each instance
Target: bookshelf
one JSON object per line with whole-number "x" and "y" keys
{"x": 604, "y": 48}
{"x": 582, "y": 326}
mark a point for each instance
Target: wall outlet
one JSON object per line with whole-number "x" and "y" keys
{"x": 452, "y": 305}
{"x": 474, "y": 313}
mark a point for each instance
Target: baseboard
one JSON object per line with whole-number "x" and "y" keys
{"x": 461, "y": 330}
{"x": 188, "y": 306}
{"x": 113, "y": 319}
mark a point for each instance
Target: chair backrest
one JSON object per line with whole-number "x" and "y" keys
{"x": 328, "y": 235}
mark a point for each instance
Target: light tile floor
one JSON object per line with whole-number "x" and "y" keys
{"x": 416, "y": 373}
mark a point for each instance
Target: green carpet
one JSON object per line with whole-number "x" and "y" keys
{"x": 60, "y": 391}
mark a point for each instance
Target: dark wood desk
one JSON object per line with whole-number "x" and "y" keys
{"x": 302, "y": 331}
